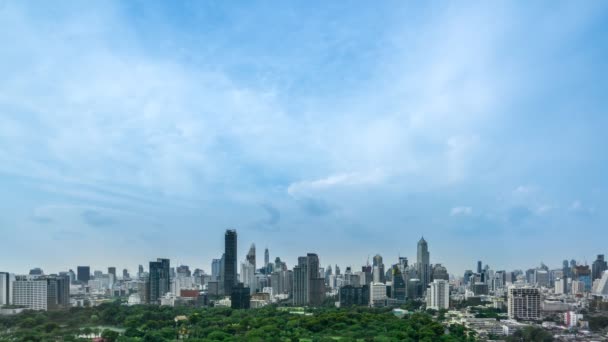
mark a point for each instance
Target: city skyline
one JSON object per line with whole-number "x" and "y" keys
{"x": 130, "y": 132}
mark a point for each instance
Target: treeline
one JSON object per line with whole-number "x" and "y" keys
{"x": 154, "y": 323}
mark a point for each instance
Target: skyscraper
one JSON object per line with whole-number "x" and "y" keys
{"x": 524, "y": 303}
{"x": 216, "y": 265}
{"x": 479, "y": 267}
{"x": 266, "y": 258}
{"x": 6, "y": 288}
{"x": 598, "y": 267}
{"x": 230, "y": 261}
{"x": 251, "y": 256}
{"x": 83, "y": 274}
{"x": 300, "y": 282}
{"x": 112, "y": 271}
{"x": 438, "y": 295}
{"x": 316, "y": 284}
{"x": 159, "y": 280}
{"x": 423, "y": 263}
{"x": 378, "y": 269}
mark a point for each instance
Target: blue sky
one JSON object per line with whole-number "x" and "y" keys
{"x": 135, "y": 130}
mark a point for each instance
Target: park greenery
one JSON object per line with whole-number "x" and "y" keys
{"x": 116, "y": 322}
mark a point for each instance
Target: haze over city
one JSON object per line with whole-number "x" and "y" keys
{"x": 135, "y": 130}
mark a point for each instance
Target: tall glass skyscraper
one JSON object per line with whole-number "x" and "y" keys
{"x": 159, "y": 280}
{"x": 424, "y": 267}
{"x": 230, "y": 261}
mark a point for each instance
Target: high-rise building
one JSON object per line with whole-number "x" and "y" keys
{"x": 6, "y": 288}
{"x": 598, "y": 267}
{"x": 350, "y": 295}
{"x": 251, "y": 256}
{"x": 159, "y": 280}
{"x": 524, "y": 303}
{"x": 300, "y": 282}
{"x": 423, "y": 263}
{"x": 240, "y": 297}
{"x": 266, "y": 258}
{"x": 230, "y": 261}
{"x": 378, "y": 269}
{"x": 112, "y": 271}
{"x": 438, "y": 295}
{"x": 377, "y": 294}
{"x": 125, "y": 274}
{"x": 566, "y": 269}
{"x": 582, "y": 273}
{"x": 316, "y": 283}
{"x": 83, "y": 274}
{"x": 601, "y": 289}
{"x": 308, "y": 283}
{"x": 439, "y": 272}
{"x": 215, "y": 269}
{"x": 399, "y": 285}
{"x": 248, "y": 276}
{"x": 58, "y": 292}
{"x": 30, "y": 292}
{"x": 36, "y": 271}
{"x": 479, "y": 266}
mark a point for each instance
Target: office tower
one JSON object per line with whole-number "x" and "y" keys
{"x": 423, "y": 263}
{"x": 467, "y": 276}
{"x": 399, "y": 286}
{"x": 414, "y": 289}
{"x": 6, "y": 288}
{"x": 230, "y": 261}
{"x": 215, "y": 269}
{"x": 479, "y": 267}
{"x": 524, "y": 303}
{"x": 583, "y": 274}
{"x": 601, "y": 289}
{"x": 566, "y": 269}
{"x": 112, "y": 271}
{"x": 337, "y": 270}
{"x": 30, "y": 292}
{"x": 159, "y": 280}
{"x": 316, "y": 283}
{"x": 300, "y": 282}
{"x": 83, "y": 274}
{"x": 560, "y": 286}
{"x": 378, "y": 269}
{"x": 58, "y": 292}
{"x": 541, "y": 278}
{"x": 266, "y": 258}
{"x": 439, "y": 272}
{"x": 36, "y": 271}
{"x": 140, "y": 270}
{"x": 240, "y": 297}
{"x": 578, "y": 287}
{"x": 438, "y": 295}
{"x": 598, "y": 267}
{"x": 125, "y": 274}
{"x": 377, "y": 294}
{"x": 350, "y": 295}
{"x": 251, "y": 256}
{"x": 248, "y": 276}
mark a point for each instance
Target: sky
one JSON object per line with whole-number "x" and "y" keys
{"x": 142, "y": 129}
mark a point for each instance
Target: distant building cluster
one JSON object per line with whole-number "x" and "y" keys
{"x": 524, "y": 296}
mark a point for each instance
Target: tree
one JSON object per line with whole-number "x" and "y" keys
{"x": 110, "y": 335}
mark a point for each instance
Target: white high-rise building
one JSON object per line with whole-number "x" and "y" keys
{"x": 524, "y": 303}
{"x": 560, "y": 286}
{"x": 377, "y": 294}
{"x": 248, "y": 276}
{"x": 30, "y": 292}
{"x": 578, "y": 287}
{"x": 602, "y": 286}
{"x": 438, "y": 295}
{"x": 6, "y": 288}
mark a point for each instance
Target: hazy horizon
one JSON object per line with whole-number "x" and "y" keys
{"x": 136, "y": 130}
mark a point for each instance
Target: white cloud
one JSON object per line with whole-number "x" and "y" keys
{"x": 336, "y": 180}
{"x": 461, "y": 211}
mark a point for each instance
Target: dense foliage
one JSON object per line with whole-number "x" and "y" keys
{"x": 152, "y": 323}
